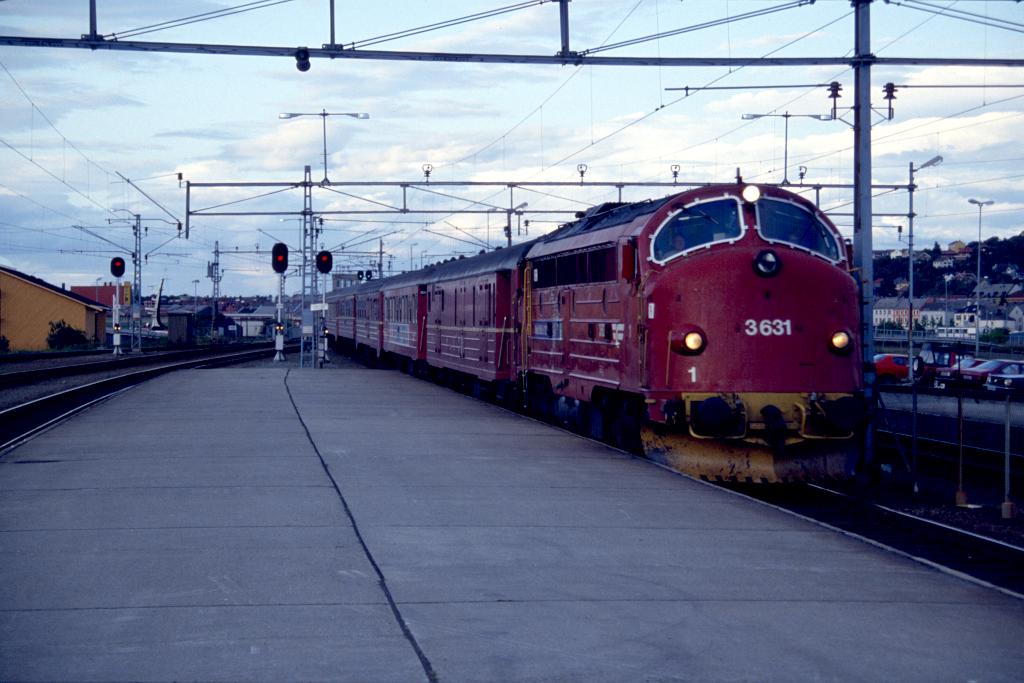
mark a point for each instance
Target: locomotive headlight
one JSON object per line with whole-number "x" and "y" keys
{"x": 767, "y": 263}
{"x": 751, "y": 193}
{"x": 690, "y": 343}
{"x": 839, "y": 342}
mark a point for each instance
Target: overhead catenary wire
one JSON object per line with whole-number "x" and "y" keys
{"x": 247, "y": 199}
{"x": 877, "y": 139}
{"x": 405, "y": 33}
{"x": 902, "y": 137}
{"x": 196, "y": 18}
{"x": 961, "y": 15}
{"x": 547, "y": 99}
{"x": 477, "y": 243}
{"x": 464, "y": 232}
{"x": 46, "y": 118}
{"x": 363, "y": 199}
{"x": 972, "y": 86}
{"x": 753, "y": 14}
{"x": 834, "y": 77}
{"x": 53, "y": 175}
{"x": 649, "y": 114}
{"x": 37, "y": 203}
{"x": 696, "y": 89}
{"x": 469, "y": 202}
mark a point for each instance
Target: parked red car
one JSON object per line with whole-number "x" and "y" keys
{"x": 936, "y": 358}
{"x": 891, "y": 368}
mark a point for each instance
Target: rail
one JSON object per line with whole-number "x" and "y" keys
{"x": 988, "y": 560}
{"x": 23, "y": 377}
{"x": 21, "y": 421}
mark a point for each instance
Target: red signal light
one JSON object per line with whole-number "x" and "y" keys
{"x": 279, "y": 257}
{"x": 117, "y": 266}
{"x": 324, "y": 261}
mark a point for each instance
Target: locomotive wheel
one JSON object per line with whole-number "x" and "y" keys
{"x": 622, "y": 426}
{"x": 594, "y": 421}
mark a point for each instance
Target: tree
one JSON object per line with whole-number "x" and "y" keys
{"x": 998, "y": 335}
{"x": 63, "y": 335}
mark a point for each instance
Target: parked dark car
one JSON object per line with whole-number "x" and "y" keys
{"x": 891, "y": 368}
{"x": 975, "y": 377}
{"x": 1006, "y": 383}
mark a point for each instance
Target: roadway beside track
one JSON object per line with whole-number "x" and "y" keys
{"x": 276, "y": 523}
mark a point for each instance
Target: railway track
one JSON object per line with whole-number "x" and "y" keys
{"x": 16, "y": 378}
{"x": 21, "y": 421}
{"x": 17, "y": 358}
{"x": 987, "y": 560}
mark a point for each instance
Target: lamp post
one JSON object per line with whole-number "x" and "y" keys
{"x": 977, "y": 287}
{"x": 934, "y": 161}
{"x": 945, "y": 307}
{"x": 323, "y": 114}
{"x": 195, "y": 306}
{"x": 787, "y": 116}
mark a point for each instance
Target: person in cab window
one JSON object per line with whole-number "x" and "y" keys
{"x": 678, "y": 242}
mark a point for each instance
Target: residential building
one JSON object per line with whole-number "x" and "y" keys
{"x": 29, "y": 305}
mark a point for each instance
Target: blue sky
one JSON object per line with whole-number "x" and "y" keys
{"x": 214, "y": 119}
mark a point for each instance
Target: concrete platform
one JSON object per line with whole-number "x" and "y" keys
{"x": 188, "y": 530}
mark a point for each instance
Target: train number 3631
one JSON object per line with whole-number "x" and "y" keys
{"x": 768, "y": 328}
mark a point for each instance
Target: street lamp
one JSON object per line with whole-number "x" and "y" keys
{"x": 787, "y": 116}
{"x": 934, "y": 161}
{"x": 977, "y": 290}
{"x": 945, "y": 308}
{"x": 323, "y": 115}
{"x": 195, "y": 305}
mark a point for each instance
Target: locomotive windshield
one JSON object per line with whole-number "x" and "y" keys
{"x": 697, "y": 225}
{"x": 784, "y": 221}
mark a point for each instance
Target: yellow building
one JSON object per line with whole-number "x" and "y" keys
{"x": 28, "y": 305}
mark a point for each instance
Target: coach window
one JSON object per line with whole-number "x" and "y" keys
{"x": 784, "y": 221}
{"x": 601, "y": 265}
{"x": 544, "y": 273}
{"x": 697, "y": 225}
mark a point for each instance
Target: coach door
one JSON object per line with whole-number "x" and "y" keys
{"x": 565, "y": 313}
{"x": 422, "y": 299}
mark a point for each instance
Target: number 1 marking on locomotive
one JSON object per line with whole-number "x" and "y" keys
{"x": 693, "y": 374}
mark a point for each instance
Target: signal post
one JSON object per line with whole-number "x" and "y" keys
{"x": 279, "y": 261}
{"x": 117, "y": 270}
{"x": 324, "y": 265}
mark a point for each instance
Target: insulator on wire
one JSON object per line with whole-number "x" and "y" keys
{"x": 834, "y": 88}
{"x": 890, "y": 94}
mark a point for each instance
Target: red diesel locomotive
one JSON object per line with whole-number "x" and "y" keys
{"x": 716, "y": 329}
